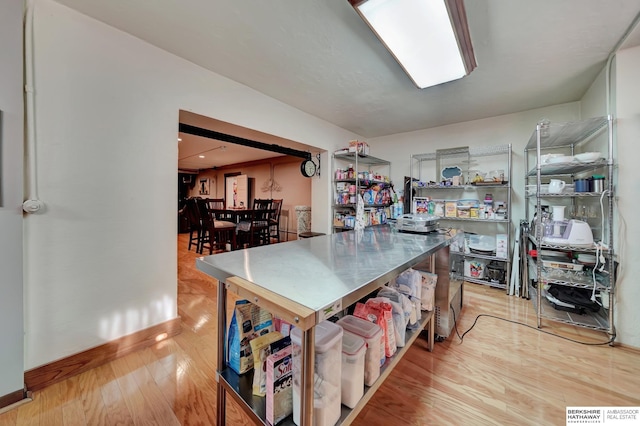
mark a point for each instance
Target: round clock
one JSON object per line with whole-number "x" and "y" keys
{"x": 308, "y": 168}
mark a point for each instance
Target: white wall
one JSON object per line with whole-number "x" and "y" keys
{"x": 593, "y": 103}
{"x": 100, "y": 260}
{"x": 625, "y": 108}
{"x": 627, "y": 113}
{"x": 11, "y": 193}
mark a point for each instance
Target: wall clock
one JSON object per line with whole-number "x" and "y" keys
{"x": 308, "y": 168}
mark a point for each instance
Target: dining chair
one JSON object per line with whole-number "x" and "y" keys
{"x": 216, "y": 233}
{"x": 254, "y": 229}
{"x": 284, "y": 220}
{"x": 274, "y": 219}
{"x": 219, "y": 206}
{"x": 216, "y": 203}
{"x": 195, "y": 224}
{"x": 262, "y": 204}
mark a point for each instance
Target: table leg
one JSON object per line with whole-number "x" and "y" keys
{"x": 222, "y": 406}
{"x": 221, "y": 359}
{"x": 432, "y": 331}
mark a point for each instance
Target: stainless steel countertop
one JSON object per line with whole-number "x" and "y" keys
{"x": 316, "y": 272}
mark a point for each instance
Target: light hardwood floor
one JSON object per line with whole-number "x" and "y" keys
{"x": 501, "y": 374}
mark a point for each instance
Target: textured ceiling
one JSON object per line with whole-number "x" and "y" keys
{"x": 320, "y": 57}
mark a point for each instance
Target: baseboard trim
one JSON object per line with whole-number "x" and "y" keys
{"x": 56, "y": 371}
{"x": 628, "y": 347}
{"x": 13, "y": 399}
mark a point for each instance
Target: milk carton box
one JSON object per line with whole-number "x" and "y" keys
{"x": 279, "y": 398}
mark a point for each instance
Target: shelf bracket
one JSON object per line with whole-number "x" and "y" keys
{"x": 318, "y": 157}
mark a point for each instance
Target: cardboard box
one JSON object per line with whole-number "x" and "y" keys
{"x": 360, "y": 147}
{"x": 279, "y": 398}
{"x": 420, "y": 205}
{"x": 450, "y": 209}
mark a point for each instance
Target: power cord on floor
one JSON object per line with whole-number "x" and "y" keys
{"x": 461, "y": 337}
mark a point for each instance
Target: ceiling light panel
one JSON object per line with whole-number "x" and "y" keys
{"x": 421, "y": 36}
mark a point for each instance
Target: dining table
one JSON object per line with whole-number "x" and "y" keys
{"x": 238, "y": 215}
{"x": 244, "y": 217}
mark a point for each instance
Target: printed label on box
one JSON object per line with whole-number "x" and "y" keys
{"x": 279, "y": 398}
{"x": 329, "y": 311}
{"x": 450, "y": 209}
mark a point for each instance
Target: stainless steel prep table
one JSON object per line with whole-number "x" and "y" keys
{"x": 306, "y": 281}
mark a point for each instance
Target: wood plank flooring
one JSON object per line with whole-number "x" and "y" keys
{"x": 501, "y": 374}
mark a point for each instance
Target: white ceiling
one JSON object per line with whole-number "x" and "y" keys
{"x": 320, "y": 57}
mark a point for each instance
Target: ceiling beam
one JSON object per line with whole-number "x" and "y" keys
{"x": 206, "y": 133}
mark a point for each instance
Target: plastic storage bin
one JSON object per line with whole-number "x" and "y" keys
{"x": 474, "y": 269}
{"x": 326, "y": 382}
{"x": 372, "y": 335}
{"x": 352, "y": 383}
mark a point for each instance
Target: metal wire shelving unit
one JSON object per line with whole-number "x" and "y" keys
{"x": 472, "y": 159}
{"x": 570, "y": 138}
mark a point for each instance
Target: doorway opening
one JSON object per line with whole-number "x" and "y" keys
{"x": 210, "y": 150}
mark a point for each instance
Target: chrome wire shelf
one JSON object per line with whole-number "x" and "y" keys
{"x": 479, "y": 151}
{"x": 466, "y": 186}
{"x": 572, "y": 168}
{"x": 579, "y": 279}
{"x": 556, "y": 135}
{"x": 362, "y": 159}
{"x": 479, "y": 256}
{"x": 595, "y": 320}
{"x": 475, "y": 219}
{"x": 567, "y": 194}
{"x": 582, "y": 249}
{"x": 481, "y": 281}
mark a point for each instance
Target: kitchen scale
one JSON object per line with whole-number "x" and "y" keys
{"x": 417, "y": 223}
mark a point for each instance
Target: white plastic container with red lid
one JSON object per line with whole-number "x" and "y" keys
{"x": 372, "y": 334}
{"x": 326, "y": 387}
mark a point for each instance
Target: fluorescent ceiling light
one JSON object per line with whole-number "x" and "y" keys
{"x": 429, "y": 38}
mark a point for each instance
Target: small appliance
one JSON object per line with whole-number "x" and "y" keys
{"x": 481, "y": 244}
{"x": 417, "y": 223}
{"x": 496, "y": 272}
{"x": 577, "y": 233}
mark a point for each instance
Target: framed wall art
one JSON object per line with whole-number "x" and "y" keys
{"x": 204, "y": 186}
